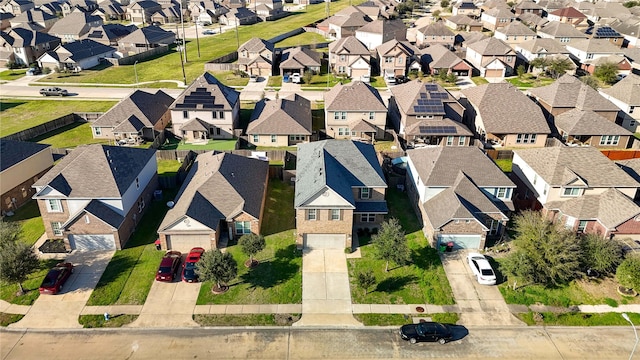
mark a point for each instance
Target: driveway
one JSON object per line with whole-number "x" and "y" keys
{"x": 169, "y": 305}
{"x": 62, "y": 310}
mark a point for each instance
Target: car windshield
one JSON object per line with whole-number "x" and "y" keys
{"x": 164, "y": 270}
{"x": 50, "y": 279}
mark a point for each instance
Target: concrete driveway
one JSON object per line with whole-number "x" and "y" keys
{"x": 169, "y": 305}
{"x": 62, "y": 310}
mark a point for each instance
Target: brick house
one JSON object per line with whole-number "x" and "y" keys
{"x": 493, "y": 58}
{"x": 22, "y": 163}
{"x": 348, "y": 56}
{"x": 256, "y": 56}
{"x": 280, "y": 122}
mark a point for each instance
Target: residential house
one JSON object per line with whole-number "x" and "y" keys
{"x": 256, "y": 56}
{"x": 493, "y": 58}
{"x": 348, "y": 56}
{"x": 221, "y": 199}
{"x": 630, "y": 30}
{"x": 234, "y": 4}
{"x": 625, "y": 94}
{"x": 145, "y": 39}
{"x": 109, "y": 34}
{"x": 466, "y": 8}
{"x": 586, "y": 128}
{"x": 436, "y": 33}
{"x": 16, "y": 7}
{"x": 503, "y": 116}
{"x": 633, "y": 55}
{"x": 607, "y": 33}
{"x": 5, "y": 20}
{"x": 73, "y": 26}
{"x": 168, "y": 15}
{"x": 22, "y": 163}
{"x": 569, "y": 15}
{"x": 491, "y": 4}
{"x": 464, "y": 39}
{"x": 280, "y": 122}
{"x": 207, "y": 109}
{"x": 345, "y": 22}
{"x": 620, "y": 61}
{"x": 354, "y": 111}
{"x": 140, "y": 12}
{"x": 135, "y": 118}
{"x": 495, "y": 18}
{"x": 563, "y": 32}
{"x": 206, "y": 11}
{"x": 77, "y": 55}
{"x": 528, "y": 7}
{"x": 339, "y": 190}
{"x": 587, "y": 199}
{"x": 394, "y": 57}
{"x": 514, "y": 33}
{"x": 268, "y": 10}
{"x": 437, "y": 59}
{"x": 38, "y": 17}
{"x": 540, "y": 48}
{"x": 463, "y": 23}
{"x": 425, "y": 114}
{"x": 238, "y": 16}
{"x": 86, "y": 6}
{"x": 24, "y": 46}
{"x": 96, "y": 195}
{"x": 300, "y": 60}
{"x": 377, "y": 32}
{"x": 459, "y": 194}
{"x": 110, "y": 10}
{"x": 52, "y": 7}
{"x": 532, "y": 21}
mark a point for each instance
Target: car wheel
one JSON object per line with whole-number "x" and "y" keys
{"x": 413, "y": 340}
{"x": 442, "y": 341}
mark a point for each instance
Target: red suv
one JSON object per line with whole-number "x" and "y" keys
{"x": 169, "y": 266}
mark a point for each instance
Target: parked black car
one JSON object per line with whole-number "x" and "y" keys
{"x": 426, "y": 331}
{"x": 401, "y": 79}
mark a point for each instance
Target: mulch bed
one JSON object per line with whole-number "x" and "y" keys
{"x": 53, "y": 247}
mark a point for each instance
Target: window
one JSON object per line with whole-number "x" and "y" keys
{"x": 296, "y": 137}
{"x": 56, "y": 227}
{"x": 461, "y": 140}
{"x": 582, "y": 225}
{"x": 535, "y": 178}
{"x": 509, "y": 58}
{"x": 372, "y": 115}
{"x": 274, "y": 138}
{"x": 501, "y": 192}
{"x": 400, "y": 59}
{"x": 221, "y": 114}
{"x": 54, "y": 205}
{"x": 212, "y": 130}
{"x": 335, "y": 214}
{"x": 343, "y": 57}
{"x": 609, "y": 139}
{"x": 344, "y": 131}
{"x": 243, "y": 227}
{"x": 564, "y": 40}
{"x": 217, "y": 131}
{"x": 214, "y": 114}
{"x": 185, "y": 114}
{"x": 449, "y": 140}
{"x": 365, "y": 193}
{"x": 367, "y": 217}
{"x": 341, "y": 69}
{"x": 388, "y": 59}
{"x": 87, "y": 220}
{"x": 546, "y": 189}
{"x": 137, "y": 183}
{"x": 311, "y": 214}
{"x": 493, "y": 226}
{"x": 631, "y": 108}
{"x": 424, "y": 116}
{"x": 340, "y": 115}
{"x": 526, "y": 138}
{"x": 571, "y": 192}
{"x": 589, "y": 56}
{"x": 98, "y": 131}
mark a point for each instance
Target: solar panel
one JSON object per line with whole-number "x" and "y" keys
{"x": 439, "y": 95}
{"x": 431, "y": 87}
{"x": 437, "y": 129}
{"x": 423, "y": 95}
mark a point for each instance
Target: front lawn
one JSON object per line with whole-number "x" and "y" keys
{"x": 8, "y": 319}
{"x": 306, "y": 38}
{"x": 30, "y": 286}
{"x": 479, "y": 80}
{"x": 97, "y": 321}
{"x": 12, "y": 74}
{"x": 28, "y": 216}
{"x": 529, "y": 81}
{"x": 401, "y": 319}
{"x": 246, "y": 319}
{"x": 70, "y": 136}
{"x": 577, "y": 319}
{"x": 423, "y": 281}
{"x": 229, "y": 78}
{"x": 320, "y": 81}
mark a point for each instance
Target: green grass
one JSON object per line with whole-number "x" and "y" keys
{"x": 28, "y": 216}
{"x": 529, "y": 81}
{"x": 564, "y": 296}
{"x": 384, "y": 146}
{"x": 130, "y": 274}
{"x": 8, "y": 319}
{"x": 70, "y": 136}
{"x": 211, "y": 145}
{"x": 30, "y": 286}
{"x": 247, "y": 320}
{"x": 422, "y": 281}
{"x": 18, "y": 115}
{"x": 306, "y": 38}
{"x": 580, "y": 319}
{"x": 274, "y": 81}
{"x": 168, "y": 167}
{"x": 378, "y": 82}
{"x": 636, "y": 135}
{"x": 230, "y": 79}
{"x": 479, "y": 80}
{"x": 504, "y": 164}
{"x": 401, "y": 319}
{"x": 12, "y": 74}
{"x": 320, "y": 81}
{"x": 97, "y": 321}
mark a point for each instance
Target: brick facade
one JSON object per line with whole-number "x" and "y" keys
{"x": 323, "y": 224}
{"x": 21, "y": 193}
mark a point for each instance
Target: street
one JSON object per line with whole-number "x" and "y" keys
{"x": 298, "y": 343}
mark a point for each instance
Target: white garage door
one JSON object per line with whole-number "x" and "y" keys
{"x": 325, "y": 241}
{"x": 92, "y": 242}
{"x": 185, "y": 242}
{"x": 461, "y": 241}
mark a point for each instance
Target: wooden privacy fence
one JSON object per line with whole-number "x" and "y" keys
{"x": 52, "y": 125}
{"x": 621, "y": 154}
{"x": 180, "y": 155}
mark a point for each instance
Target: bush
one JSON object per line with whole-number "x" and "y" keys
{"x": 628, "y": 273}
{"x": 601, "y": 255}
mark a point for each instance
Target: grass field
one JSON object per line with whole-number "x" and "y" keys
{"x": 12, "y": 74}
{"x": 28, "y": 216}
{"x": 70, "y": 136}
{"x": 306, "y": 38}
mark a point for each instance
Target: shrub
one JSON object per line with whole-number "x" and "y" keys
{"x": 628, "y": 273}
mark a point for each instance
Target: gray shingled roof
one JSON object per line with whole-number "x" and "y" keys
{"x": 220, "y": 186}
{"x": 76, "y": 23}
{"x": 441, "y": 57}
{"x": 559, "y": 29}
{"x": 220, "y": 95}
{"x": 516, "y": 28}
{"x": 631, "y": 167}
{"x": 547, "y": 46}
{"x": 554, "y": 163}
{"x": 491, "y": 47}
{"x": 626, "y": 90}
{"x": 149, "y": 35}
{"x": 597, "y": 46}
{"x": 299, "y": 58}
{"x": 339, "y": 165}
{"x": 569, "y": 92}
{"x": 281, "y": 117}
{"x": 506, "y": 110}
{"x": 257, "y": 45}
{"x": 102, "y": 212}
{"x": 97, "y": 171}
{"x": 349, "y": 45}
{"x": 436, "y": 29}
{"x": 586, "y": 122}
{"x": 146, "y": 107}
{"x": 12, "y": 152}
{"x": 355, "y": 96}
{"x": 404, "y": 46}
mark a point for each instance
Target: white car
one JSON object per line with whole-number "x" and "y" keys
{"x": 481, "y": 269}
{"x": 295, "y": 78}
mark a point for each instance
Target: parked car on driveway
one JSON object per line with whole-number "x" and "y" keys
{"x": 55, "y": 279}
{"x": 34, "y": 71}
{"x": 426, "y": 331}
{"x": 189, "y": 266}
{"x": 481, "y": 269}
{"x": 169, "y": 266}
{"x": 53, "y": 91}
{"x": 295, "y": 78}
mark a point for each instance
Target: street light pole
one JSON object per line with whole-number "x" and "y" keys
{"x": 136, "y": 72}
{"x": 184, "y": 45}
{"x": 635, "y": 332}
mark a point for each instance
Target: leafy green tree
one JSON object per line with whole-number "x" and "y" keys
{"x": 307, "y": 76}
{"x": 591, "y": 81}
{"x": 17, "y": 261}
{"x": 540, "y": 63}
{"x": 606, "y": 72}
{"x": 546, "y": 253}
{"x": 520, "y": 70}
{"x": 630, "y": 4}
{"x": 444, "y": 4}
{"x": 390, "y": 244}
{"x": 559, "y": 67}
{"x": 9, "y": 231}
{"x": 442, "y": 76}
{"x": 628, "y": 273}
{"x": 366, "y": 280}
{"x": 252, "y": 244}
{"x": 218, "y": 267}
{"x": 602, "y": 255}
{"x": 452, "y": 78}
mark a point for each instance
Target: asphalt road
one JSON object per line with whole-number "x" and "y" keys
{"x": 298, "y": 343}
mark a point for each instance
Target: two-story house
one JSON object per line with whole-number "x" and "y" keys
{"x": 144, "y": 39}
{"x": 528, "y": 7}
{"x": 255, "y": 57}
{"x": 95, "y": 196}
{"x": 437, "y": 59}
{"x": 268, "y": 10}
{"x": 435, "y": 33}
{"x": 569, "y": 15}
{"x": 493, "y": 58}
{"x": 463, "y": 23}
{"x": 300, "y": 60}
{"x": 25, "y": 46}
{"x": 377, "y": 32}
{"x": 140, "y": 11}
{"x": 591, "y": 52}
{"x": 207, "y": 109}
{"x": 466, "y": 8}
{"x": 515, "y": 33}
{"x": 280, "y": 122}
{"x": 540, "y": 48}
{"x": 345, "y": 22}
{"x": 339, "y": 189}
{"x": 348, "y": 56}
{"x": 73, "y": 26}
{"x": 497, "y": 17}
{"x": 625, "y": 94}
{"x": 394, "y": 57}
{"x": 36, "y": 19}
{"x": 563, "y": 32}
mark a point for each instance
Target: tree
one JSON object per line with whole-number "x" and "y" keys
{"x": 9, "y": 232}
{"x": 591, "y": 81}
{"x": 540, "y": 63}
{"x": 628, "y": 273}
{"x": 444, "y": 4}
{"x": 218, "y": 267}
{"x": 307, "y": 76}
{"x": 251, "y": 244}
{"x": 558, "y": 67}
{"x": 606, "y": 72}
{"x": 546, "y": 253}
{"x": 390, "y": 244}
{"x": 366, "y": 280}
{"x": 17, "y": 261}
{"x": 601, "y": 255}
{"x": 452, "y": 78}
{"x": 520, "y": 70}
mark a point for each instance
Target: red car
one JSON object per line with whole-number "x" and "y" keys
{"x": 169, "y": 266}
{"x": 56, "y": 277}
{"x": 189, "y": 266}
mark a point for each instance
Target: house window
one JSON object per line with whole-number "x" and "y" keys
{"x": 274, "y": 138}
{"x": 400, "y": 59}
{"x": 296, "y": 137}
{"x": 493, "y": 225}
{"x": 343, "y": 57}
{"x": 372, "y": 115}
{"x": 340, "y": 115}
{"x": 221, "y": 114}
{"x": 335, "y": 214}
{"x": 509, "y": 58}
{"x": 98, "y": 131}
{"x": 311, "y": 214}
{"x": 243, "y": 227}
{"x": 342, "y": 69}
{"x": 449, "y": 140}
{"x": 571, "y": 192}
{"x": 461, "y": 140}
{"x": 343, "y": 131}
{"x": 256, "y": 138}
{"x": 54, "y": 205}
{"x": 212, "y": 130}
{"x": 365, "y": 193}
{"x": 609, "y": 139}
{"x": 367, "y": 217}
{"x": 582, "y": 225}
{"x": 631, "y": 108}
{"x": 87, "y": 220}
{"x": 214, "y": 114}
{"x": 56, "y": 227}
{"x": 501, "y": 192}
{"x": 589, "y": 56}
{"x": 185, "y": 114}
{"x": 137, "y": 183}
{"x": 526, "y": 138}
{"x": 546, "y": 189}
{"x": 424, "y": 117}
{"x": 388, "y": 59}
{"x": 535, "y": 178}
{"x": 218, "y": 131}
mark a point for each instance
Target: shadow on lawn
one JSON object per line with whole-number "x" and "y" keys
{"x": 8, "y": 105}
{"x": 275, "y": 271}
{"x": 395, "y": 283}
{"x": 425, "y": 257}
{"x": 56, "y": 131}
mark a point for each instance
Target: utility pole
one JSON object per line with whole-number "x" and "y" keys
{"x": 184, "y": 76}
{"x": 184, "y": 45}
{"x": 237, "y": 36}
{"x": 197, "y": 39}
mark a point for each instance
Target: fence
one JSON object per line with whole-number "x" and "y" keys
{"x": 130, "y": 60}
{"x": 499, "y": 154}
{"x": 180, "y": 155}
{"x": 621, "y": 154}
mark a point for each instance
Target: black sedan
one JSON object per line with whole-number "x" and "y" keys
{"x": 426, "y": 331}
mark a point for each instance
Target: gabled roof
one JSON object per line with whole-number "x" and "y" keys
{"x": 349, "y": 45}
{"x": 354, "y": 96}
{"x": 471, "y": 37}
{"x": 506, "y": 110}
{"x": 20, "y": 37}
{"x": 338, "y": 165}
{"x": 631, "y": 167}
{"x": 568, "y": 12}
{"x": 560, "y": 29}
{"x": 491, "y": 47}
{"x": 436, "y": 29}
{"x": 281, "y": 117}
{"x": 33, "y": 15}
{"x": 240, "y": 13}
{"x": 97, "y": 171}
{"x": 81, "y": 49}
{"x": 220, "y": 187}
{"x": 206, "y": 92}
{"x": 569, "y": 92}
{"x": 531, "y": 19}
{"x": 420, "y": 98}
{"x": 12, "y": 152}
{"x": 257, "y": 45}
{"x": 586, "y": 122}
{"x": 516, "y": 28}
{"x": 195, "y": 124}
{"x": 384, "y": 27}
{"x": 299, "y": 58}
{"x": 109, "y": 32}
{"x": 354, "y": 19}
{"x": 500, "y": 12}
{"x": 441, "y": 57}
{"x": 547, "y": 46}
{"x": 146, "y": 107}
{"x": 102, "y": 212}
{"x": 597, "y": 46}
{"x": 462, "y": 19}
{"x": 149, "y": 35}
{"x": 404, "y": 46}
{"x": 629, "y": 26}
{"x": 626, "y": 90}
{"x": 74, "y": 23}
{"x": 527, "y": 4}
{"x": 552, "y": 163}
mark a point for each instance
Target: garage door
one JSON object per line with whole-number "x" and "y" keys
{"x": 184, "y": 242}
{"x": 493, "y": 73}
{"x": 325, "y": 241}
{"x": 92, "y": 242}
{"x": 461, "y": 241}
